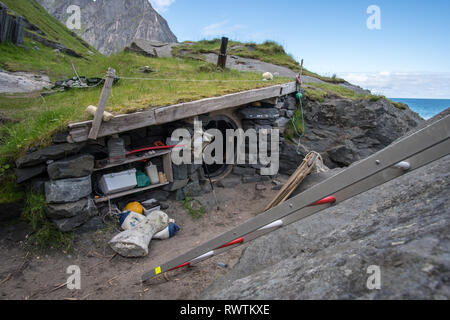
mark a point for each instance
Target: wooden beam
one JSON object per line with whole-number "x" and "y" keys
{"x": 79, "y": 131}
{"x": 93, "y": 134}
{"x": 191, "y": 109}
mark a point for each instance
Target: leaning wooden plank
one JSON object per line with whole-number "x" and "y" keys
{"x": 190, "y": 109}
{"x": 294, "y": 181}
{"x": 93, "y": 134}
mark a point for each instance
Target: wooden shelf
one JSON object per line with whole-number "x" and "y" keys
{"x": 128, "y": 192}
{"x": 134, "y": 158}
{"x": 167, "y": 169}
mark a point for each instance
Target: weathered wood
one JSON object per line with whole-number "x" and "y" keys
{"x": 123, "y": 123}
{"x": 167, "y": 166}
{"x": 76, "y": 73}
{"x": 135, "y": 158}
{"x": 300, "y": 77}
{"x": 190, "y": 109}
{"x": 294, "y": 181}
{"x": 93, "y": 134}
{"x": 79, "y": 131}
{"x": 222, "y": 59}
{"x": 126, "y": 193}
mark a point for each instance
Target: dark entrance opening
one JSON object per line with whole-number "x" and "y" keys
{"x": 222, "y": 123}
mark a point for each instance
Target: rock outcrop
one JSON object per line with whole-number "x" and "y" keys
{"x": 110, "y": 26}
{"x": 346, "y": 130}
{"x": 402, "y": 227}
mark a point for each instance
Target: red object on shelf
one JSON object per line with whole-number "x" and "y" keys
{"x": 152, "y": 148}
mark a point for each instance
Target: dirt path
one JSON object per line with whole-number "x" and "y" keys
{"x": 32, "y": 275}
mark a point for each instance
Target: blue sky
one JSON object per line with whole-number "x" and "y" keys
{"x": 408, "y": 57}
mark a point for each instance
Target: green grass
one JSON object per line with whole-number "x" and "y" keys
{"x": 193, "y": 207}
{"x": 296, "y": 127}
{"x": 10, "y": 192}
{"x": 338, "y": 90}
{"x": 45, "y": 234}
{"x": 44, "y": 60}
{"x": 53, "y": 29}
{"x": 40, "y": 117}
{"x": 320, "y": 91}
{"x": 268, "y": 51}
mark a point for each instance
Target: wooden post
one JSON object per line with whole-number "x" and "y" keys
{"x": 299, "y": 76}
{"x": 222, "y": 60}
{"x": 102, "y": 104}
{"x": 76, "y": 74}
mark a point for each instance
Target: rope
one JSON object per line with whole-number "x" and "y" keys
{"x": 300, "y": 136}
{"x": 190, "y": 80}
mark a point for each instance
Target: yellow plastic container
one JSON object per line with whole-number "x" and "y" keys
{"x": 135, "y": 207}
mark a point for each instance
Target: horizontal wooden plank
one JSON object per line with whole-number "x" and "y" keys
{"x": 79, "y": 131}
{"x": 194, "y": 108}
{"x": 126, "y": 193}
{"x": 135, "y": 158}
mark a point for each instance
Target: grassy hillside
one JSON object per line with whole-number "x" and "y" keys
{"x": 35, "y": 118}
{"x": 53, "y": 29}
{"x": 268, "y": 51}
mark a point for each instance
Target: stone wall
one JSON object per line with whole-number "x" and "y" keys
{"x": 342, "y": 130}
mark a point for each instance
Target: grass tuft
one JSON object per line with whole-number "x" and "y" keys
{"x": 193, "y": 207}
{"x": 45, "y": 234}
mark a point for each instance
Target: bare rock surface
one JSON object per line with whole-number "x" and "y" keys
{"x": 72, "y": 167}
{"x": 402, "y": 227}
{"x": 53, "y": 152}
{"x": 76, "y": 214}
{"x": 22, "y": 82}
{"x": 347, "y": 130}
{"x": 67, "y": 190}
{"x": 110, "y": 26}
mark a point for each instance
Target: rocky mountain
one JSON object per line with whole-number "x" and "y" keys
{"x": 111, "y": 25}
{"x": 402, "y": 227}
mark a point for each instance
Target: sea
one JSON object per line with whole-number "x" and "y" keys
{"x": 426, "y": 108}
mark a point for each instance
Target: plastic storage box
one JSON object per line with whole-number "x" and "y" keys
{"x": 117, "y": 182}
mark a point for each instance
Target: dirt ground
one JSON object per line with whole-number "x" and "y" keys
{"x": 29, "y": 274}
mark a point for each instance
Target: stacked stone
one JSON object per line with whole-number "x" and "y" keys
{"x": 264, "y": 116}
{"x": 68, "y": 191}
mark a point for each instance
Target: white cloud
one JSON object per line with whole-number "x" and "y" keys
{"x": 403, "y": 84}
{"x": 161, "y": 5}
{"x": 221, "y": 28}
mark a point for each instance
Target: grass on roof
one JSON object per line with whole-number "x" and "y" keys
{"x": 40, "y": 117}
{"x": 268, "y": 51}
